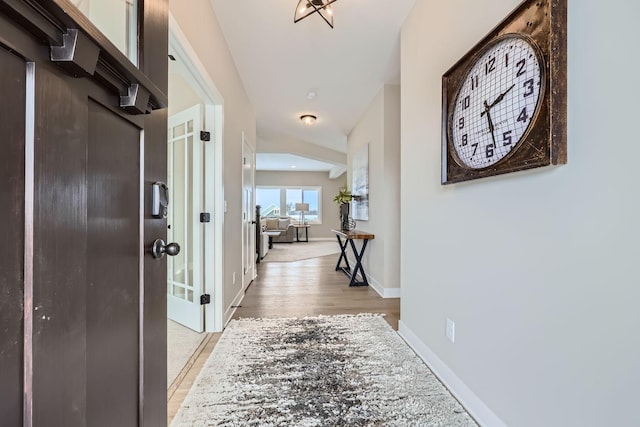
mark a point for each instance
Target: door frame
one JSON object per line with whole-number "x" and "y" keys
{"x": 199, "y": 79}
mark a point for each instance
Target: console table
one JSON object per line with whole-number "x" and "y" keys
{"x": 349, "y": 237}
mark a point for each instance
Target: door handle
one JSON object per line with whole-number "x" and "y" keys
{"x": 160, "y": 248}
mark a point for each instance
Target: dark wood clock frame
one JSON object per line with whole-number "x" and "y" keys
{"x": 545, "y": 22}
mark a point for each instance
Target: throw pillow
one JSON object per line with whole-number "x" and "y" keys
{"x": 272, "y": 224}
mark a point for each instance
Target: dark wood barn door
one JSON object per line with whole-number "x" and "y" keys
{"x": 12, "y": 87}
{"x": 82, "y": 140}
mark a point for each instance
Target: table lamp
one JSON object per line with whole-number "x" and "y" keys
{"x": 302, "y": 208}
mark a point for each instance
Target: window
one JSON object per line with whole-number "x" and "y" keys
{"x": 269, "y": 201}
{"x": 118, "y": 21}
{"x": 281, "y": 201}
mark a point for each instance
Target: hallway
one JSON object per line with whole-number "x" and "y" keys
{"x": 309, "y": 288}
{"x": 294, "y": 289}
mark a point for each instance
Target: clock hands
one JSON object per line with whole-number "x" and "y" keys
{"x": 491, "y": 128}
{"x": 501, "y": 97}
{"x": 488, "y": 107}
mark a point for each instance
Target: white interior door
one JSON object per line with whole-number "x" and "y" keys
{"x": 185, "y": 276}
{"x": 248, "y": 214}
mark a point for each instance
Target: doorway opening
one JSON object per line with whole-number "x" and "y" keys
{"x": 196, "y": 204}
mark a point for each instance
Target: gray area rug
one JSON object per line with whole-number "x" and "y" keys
{"x": 317, "y": 371}
{"x": 298, "y": 251}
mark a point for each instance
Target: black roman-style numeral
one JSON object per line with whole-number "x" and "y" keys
{"x": 520, "y": 64}
{"x": 489, "y": 151}
{"x": 465, "y": 139}
{"x": 523, "y": 117}
{"x": 466, "y": 102}
{"x": 474, "y": 82}
{"x": 529, "y": 86}
{"x": 506, "y": 137}
{"x": 506, "y": 60}
{"x": 461, "y": 123}
{"x": 490, "y": 65}
{"x": 475, "y": 148}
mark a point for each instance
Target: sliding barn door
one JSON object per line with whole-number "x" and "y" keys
{"x": 12, "y": 130}
{"x": 82, "y": 301}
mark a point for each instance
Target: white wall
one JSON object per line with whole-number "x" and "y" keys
{"x": 391, "y": 204}
{"x": 330, "y": 187}
{"x": 380, "y": 128}
{"x": 199, "y": 23}
{"x": 538, "y": 269}
{"x": 181, "y": 94}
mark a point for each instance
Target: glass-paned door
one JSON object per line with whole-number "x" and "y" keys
{"x": 185, "y": 275}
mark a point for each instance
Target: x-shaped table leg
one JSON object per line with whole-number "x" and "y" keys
{"x": 343, "y": 255}
{"x": 358, "y": 256}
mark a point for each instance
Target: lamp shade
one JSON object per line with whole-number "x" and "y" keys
{"x": 302, "y": 207}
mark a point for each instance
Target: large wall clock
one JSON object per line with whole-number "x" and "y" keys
{"x": 505, "y": 102}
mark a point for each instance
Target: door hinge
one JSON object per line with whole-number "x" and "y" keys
{"x": 205, "y": 136}
{"x": 205, "y": 299}
{"x": 205, "y": 217}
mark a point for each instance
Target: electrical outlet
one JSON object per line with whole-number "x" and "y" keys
{"x": 451, "y": 330}
{"x": 234, "y": 277}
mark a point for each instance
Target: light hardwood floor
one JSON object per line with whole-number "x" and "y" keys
{"x": 290, "y": 289}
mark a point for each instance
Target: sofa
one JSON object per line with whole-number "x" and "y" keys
{"x": 263, "y": 247}
{"x": 281, "y": 224}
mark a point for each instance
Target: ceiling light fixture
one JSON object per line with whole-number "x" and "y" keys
{"x": 309, "y": 7}
{"x": 308, "y": 119}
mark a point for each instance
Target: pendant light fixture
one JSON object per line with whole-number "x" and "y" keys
{"x": 309, "y": 7}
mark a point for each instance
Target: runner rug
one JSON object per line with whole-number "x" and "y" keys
{"x": 317, "y": 371}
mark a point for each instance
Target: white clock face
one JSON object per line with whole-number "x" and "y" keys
{"x": 496, "y": 103}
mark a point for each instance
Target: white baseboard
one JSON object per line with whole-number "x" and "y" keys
{"x": 323, "y": 239}
{"x": 471, "y": 402}
{"x": 391, "y": 293}
{"x": 381, "y": 290}
{"x": 374, "y": 284}
{"x": 230, "y": 311}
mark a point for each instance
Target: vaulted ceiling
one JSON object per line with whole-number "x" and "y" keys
{"x": 283, "y": 65}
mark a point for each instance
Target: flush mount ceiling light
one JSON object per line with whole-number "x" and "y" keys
{"x": 309, "y": 7}
{"x": 308, "y": 119}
